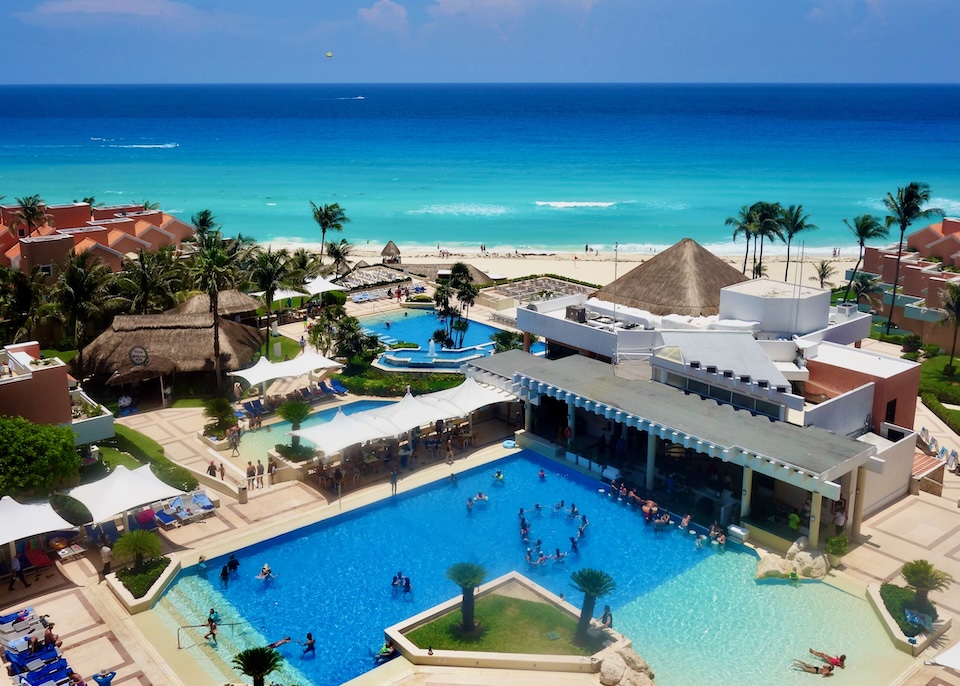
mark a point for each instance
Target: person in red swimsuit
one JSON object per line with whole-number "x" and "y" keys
{"x": 830, "y": 660}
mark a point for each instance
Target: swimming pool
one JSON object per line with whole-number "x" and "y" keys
{"x": 255, "y": 444}
{"x": 417, "y": 326}
{"x": 696, "y": 615}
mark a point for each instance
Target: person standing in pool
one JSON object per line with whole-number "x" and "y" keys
{"x": 224, "y": 576}
{"x": 233, "y": 564}
{"x": 310, "y": 645}
{"x": 407, "y": 586}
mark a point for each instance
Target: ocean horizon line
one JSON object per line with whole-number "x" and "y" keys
{"x": 720, "y": 84}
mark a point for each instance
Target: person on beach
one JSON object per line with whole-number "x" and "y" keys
{"x": 825, "y": 670}
{"x": 839, "y": 661}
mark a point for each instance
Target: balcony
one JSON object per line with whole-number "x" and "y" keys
{"x": 91, "y": 421}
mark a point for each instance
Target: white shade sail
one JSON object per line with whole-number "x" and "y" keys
{"x": 311, "y": 287}
{"x": 122, "y": 490}
{"x": 411, "y": 412}
{"x": 468, "y": 396}
{"x": 265, "y": 370}
{"x": 345, "y": 430}
{"x": 19, "y": 520}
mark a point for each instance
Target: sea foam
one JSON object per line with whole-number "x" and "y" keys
{"x": 148, "y": 146}
{"x": 462, "y": 209}
{"x": 572, "y": 204}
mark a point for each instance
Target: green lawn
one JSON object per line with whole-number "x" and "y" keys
{"x": 509, "y": 625}
{"x": 113, "y": 457}
{"x": 65, "y": 355}
{"x": 189, "y": 402}
{"x": 932, "y": 380}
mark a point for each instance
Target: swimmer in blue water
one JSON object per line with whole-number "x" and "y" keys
{"x": 542, "y": 475}
{"x": 498, "y": 476}
{"x": 574, "y": 548}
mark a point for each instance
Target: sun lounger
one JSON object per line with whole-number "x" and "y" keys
{"x": 109, "y": 529}
{"x": 250, "y": 409}
{"x": 202, "y": 503}
{"x": 326, "y": 389}
{"x": 166, "y": 520}
{"x": 55, "y": 672}
{"x": 258, "y": 406}
{"x": 184, "y": 511}
{"x": 25, "y": 662}
{"x": 338, "y": 387}
{"x": 307, "y": 395}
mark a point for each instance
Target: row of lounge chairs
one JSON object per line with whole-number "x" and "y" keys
{"x": 183, "y": 510}
{"x": 323, "y": 390}
{"x": 255, "y": 408}
{"x": 45, "y": 665}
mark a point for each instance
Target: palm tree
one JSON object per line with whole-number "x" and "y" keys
{"x": 593, "y": 583}
{"x": 768, "y": 227}
{"x": 339, "y": 252}
{"x": 905, "y": 208}
{"x": 467, "y": 575}
{"x": 149, "y": 206}
{"x": 743, "y": 226}
{"x": 459, "y": 275}
{"x": 269, "y": 272}
{"x": 295, "y": 412}
{"x": 204, "y": 223}
{"x": 865, "y": 228}
{"x": 257, "y": 663}
{"x": 151, "y": 281}
{"x": 214, "y": 269}
{"x": 792, "y": 222}
{"x": 140, "y": 545}
{"x": 866, "y": 285}
{"x": 460, "y": 327}
{"x": 328, "y": 218}
{"x": 81, "y": 295}
{"x": 923, "y": 577}
{"x": 349, "y": 339}
{"x": 21, "y": 301}
{"x": 950, "y": 308}
{"x": 467, "y": 294}
{"x": 304, "y": 263}
{"x": 825, "y": 270}
{"x": 32, "y": 214}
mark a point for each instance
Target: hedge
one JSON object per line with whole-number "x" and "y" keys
{"x": 147, "y": 451}
{"x": 393, "y": 384}
{"x": 950, "y": 418}
{"x": 897, "y": 599}
{"x": 138, "y": 583}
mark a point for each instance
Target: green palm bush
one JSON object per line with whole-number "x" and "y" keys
{"x": 467, "y": 575}
{"x": 593, "y": 583}
{"x": 257, "y": 663}
{"x": 140, "y": 545}
{"x": 923, "y": 577}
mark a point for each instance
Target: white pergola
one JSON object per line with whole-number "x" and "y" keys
{"x": 23, "y": 520}
{"x": 311, "y": 287}
{"x": 121, "y": 491}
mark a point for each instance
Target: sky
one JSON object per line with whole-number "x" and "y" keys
{"x": 464, "y": 41}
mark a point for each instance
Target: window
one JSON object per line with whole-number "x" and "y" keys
{"x": 46, "y": 269}
{"x": 891, "y": 411}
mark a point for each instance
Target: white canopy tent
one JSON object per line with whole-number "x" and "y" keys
{"x": 948, "y": 658}
{"x": 305, "y": 363}
{"x": 345, "y": 430}
{"x": 311, "y": 287}
{"x": 467, "y": 397}
{"x": 19, "y": 520}
{"x": 121, "y": 491}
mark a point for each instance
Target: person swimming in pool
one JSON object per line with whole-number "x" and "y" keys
{"x": 839, "y": 661}
{"x": 498, "y": 475}
{"x": 277, "y": 644}
{"x": 469, "y": 503}
{"x": 558, "y": 507}
{"x": 537, "y": 507}
{"x": 266, "y": 573}
{"x": 574, "y": 548}
{"x": 825, "y": 670}
{"x": 685, "y": 522}
{"x": 574, "y": 512}
{"x": 481, "y": 496}
{"x": 558, "y": 556}
{"x": 542, "y": 474}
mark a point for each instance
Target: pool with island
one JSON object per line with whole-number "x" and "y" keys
{"x": 696, "y": 615}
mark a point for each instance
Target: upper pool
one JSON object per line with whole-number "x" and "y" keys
{"x": 418, "y": 326}
{"x": 696, "y": 615}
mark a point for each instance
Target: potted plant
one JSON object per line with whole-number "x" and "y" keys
{"x": 836, "y": 548}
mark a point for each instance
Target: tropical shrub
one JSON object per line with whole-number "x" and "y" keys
{"x": 140, "y": 545}
{"x": 838, "y": 545}
{"x": 593, "y": 583}
{"x": 897, "y": 600}
{"x": 923, "y": 577}
{"x": 257, "y": 663}
{"x": 36, "y": 458}
{"x": 467, "y": 575}
{"x": 139, "y": 582}
{"x": 295, "y": 412}
{"x": 221, "y": 411}
{"x": 145, "y": 450}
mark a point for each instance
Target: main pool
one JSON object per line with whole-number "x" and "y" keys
{"x": 417, "y": 326}
{"x": 696, "y": 615}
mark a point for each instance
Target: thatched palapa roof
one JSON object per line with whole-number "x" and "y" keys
{"x": 229, "y": 303}
{"x": 185, "y": 338}
{"x": 390, "y": 250}
{"x": 684, "y": 279}
{"x": 429, "y": 272}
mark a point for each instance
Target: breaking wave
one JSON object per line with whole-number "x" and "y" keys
{"x": 462, "y": 210}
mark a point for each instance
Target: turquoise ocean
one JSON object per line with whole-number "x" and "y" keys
{"x": 527, "y": 167}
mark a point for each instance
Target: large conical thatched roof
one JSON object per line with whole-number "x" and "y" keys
{"x": 229, "y": 303}
{"x": 186, "y": 339}
{"x": 390, "y": 250}
{"x": 685, "y": 279}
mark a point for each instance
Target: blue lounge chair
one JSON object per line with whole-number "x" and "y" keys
{"x": 185, "y": 512}
{"x": 326, "y": 389}
{"x": 307, "y": 395}
{"x": 251, "y": 410}
{"x": 25, "y": 662}
{"x": 165, "y": 520}
{"x": 109, "y": 529}
{"x": 201, "y": 502}
{"x": 258, "y": 406}
{"x": 338, "y": 387}
{"x": 55, "y": 671}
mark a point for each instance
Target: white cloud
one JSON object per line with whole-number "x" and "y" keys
{"x": 139, "y": 8}
{"x": 385, "y": 15}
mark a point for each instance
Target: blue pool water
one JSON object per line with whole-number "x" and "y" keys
{"x": 417, "y": 326}
{"x": 254, "y": 444}
{"x": 696, "y": 615}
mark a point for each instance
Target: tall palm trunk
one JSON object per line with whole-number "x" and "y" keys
{"x": 746, "y": 256}
{"x": 586, "y": 614}
{"x": 754, "y": 274}
{"x": 854, "y": 275}
{"x": 953, "y": 348}
{"x": 787, "y": 270}
{"x": 896, "y": 279}
{"x": 269, "y": 295}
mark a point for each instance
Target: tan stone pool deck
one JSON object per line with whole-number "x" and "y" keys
{"x": 98, "y": 633}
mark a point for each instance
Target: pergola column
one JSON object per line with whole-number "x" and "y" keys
{"x": 816, "y": 504}
{"x": 747, "y": 492}
{"x": 528, "y": 416}
{"x": 858, "y": 501}
{"x": 571, "y": 419}
{"x": 527, "y": 341}
{"x": 651, "y": 458}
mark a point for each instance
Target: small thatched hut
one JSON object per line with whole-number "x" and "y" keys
{"x": 390, "y": 253}
{"x": 185, "y": 338}
{"x": 686, "y": 278}
{"x": 229, "y": 302}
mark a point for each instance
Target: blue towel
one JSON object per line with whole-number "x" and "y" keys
{"x": 919, "y": 619}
